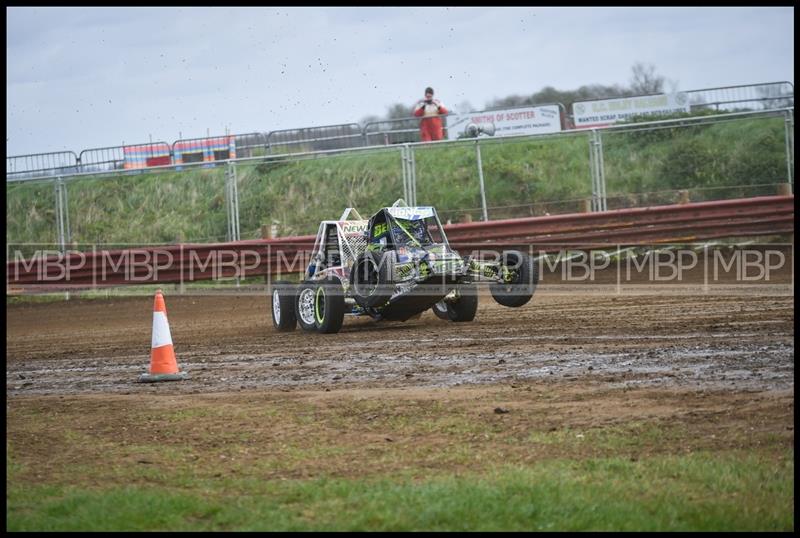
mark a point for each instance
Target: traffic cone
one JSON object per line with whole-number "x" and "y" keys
{"x": 163, "y": 365}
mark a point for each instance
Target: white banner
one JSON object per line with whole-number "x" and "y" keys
{"x": 514, "y": 121}
{"x": 609, "y": 111}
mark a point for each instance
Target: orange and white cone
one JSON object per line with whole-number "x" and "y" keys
{"x": 163, "y": 365}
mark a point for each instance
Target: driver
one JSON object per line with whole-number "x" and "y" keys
{"x": 410, "y": 231}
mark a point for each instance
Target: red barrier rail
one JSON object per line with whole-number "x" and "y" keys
{"x": 679, "y": 223}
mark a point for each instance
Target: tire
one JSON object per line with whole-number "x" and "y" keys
{"x": 465, "y": 307}
{"x": 370, "y": 278}
{"x": 304, "y": 306}
{"x": 283, "y": 317}
{"x": 462, "y": 309}
{"x": 440, "y": 309}
{"x": 519, "y": 291}
{"x": 329, "y": 306}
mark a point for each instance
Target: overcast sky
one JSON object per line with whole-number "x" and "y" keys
{"x": 81, "y": 78}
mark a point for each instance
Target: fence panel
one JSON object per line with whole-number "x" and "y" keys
{"x": 388, "y": 132}
{"x": 537, "y": 175}
{"x": 446, "y": 175}
{"x": 250, "y": 145}
{"x": 148, "y": 207}
{"x": 133, "y": 156}
{"x": 323, "y": 138}
{"x": 31, "y": 220}
{"x": 770, "y": 95}
{"x": 207, "y": 150}
{"x": 35, "y": 165}
{"x": 396, "y": 131}
{"x": 292, "y": 195}
{"x": 712, "y": 159}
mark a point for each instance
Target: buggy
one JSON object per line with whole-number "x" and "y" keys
{"x": 395, "y": 266}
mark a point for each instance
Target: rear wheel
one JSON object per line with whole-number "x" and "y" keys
{"x": 283, "y": 316}
{"x": 304, "y": 306}
{"x": 329, "y": 306}
{"x": 466, "y": 305}
{"x": 525, "y": 275}
{"x": 440, "y": 309}
{"x": 462, "y": 308}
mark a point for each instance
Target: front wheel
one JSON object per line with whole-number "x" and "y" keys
{"x": 523, "y": 274}
{"x": 370, "y": 279}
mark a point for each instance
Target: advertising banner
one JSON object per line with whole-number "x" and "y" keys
{"x": 609, "y": 111}
{"x": 512, "y": 121}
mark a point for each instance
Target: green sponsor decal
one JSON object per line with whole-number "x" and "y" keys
{"x": 380, "y": 229}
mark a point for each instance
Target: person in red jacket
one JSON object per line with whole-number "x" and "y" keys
{"x": 430, "y": 109}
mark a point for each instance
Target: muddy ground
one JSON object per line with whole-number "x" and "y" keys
{"x": 728, "y": 336}
{"x": 713, "y": 364}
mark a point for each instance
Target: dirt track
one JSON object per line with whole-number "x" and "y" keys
{"x": 735, "y": 340}
{"x": 674, "y": 370}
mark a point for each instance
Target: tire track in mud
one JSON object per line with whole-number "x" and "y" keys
{"x": 732, "y": 342}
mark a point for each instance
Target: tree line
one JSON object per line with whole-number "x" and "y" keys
{"x": 644, "y": 81}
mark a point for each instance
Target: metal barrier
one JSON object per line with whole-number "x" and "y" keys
{"x": 767, "y": 96}
{"x": 327, "y": 137}
{"x": 102, "y": 159}
{"x": 768, "y": 215}
{"x": 764, "y": 96}
{"x": 133, "y": 156}
{"x": 207, "y": 149}
{"x": 39, "y": 165}
{"x": 250, "y": 144}
{"x": 396, "y": 131}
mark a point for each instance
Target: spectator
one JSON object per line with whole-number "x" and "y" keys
{"x": 430, "y": 109}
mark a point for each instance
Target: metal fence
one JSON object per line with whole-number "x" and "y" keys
{"x": 396, "y": 131}
{"x": 764, "y": 96}
{"x": 327, "y": 137}
{"x": 585, "y": 171}
{"x": 251, "y": 144}
{"x": 770, "y": 95}
{"x": 41, "y": 165}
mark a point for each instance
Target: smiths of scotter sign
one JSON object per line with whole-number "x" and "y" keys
{"x": 608, "y": 111}
{"x": 512, "y": 121}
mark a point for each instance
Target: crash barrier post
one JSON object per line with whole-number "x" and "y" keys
{"x": 484, "y": 209}
{"x": 409, "y": 175}
{"x": 62, "y": 214}
{"x": 599, "y": 202}
{"x": 789, "y": 138}
{"x": 231, "y": 202}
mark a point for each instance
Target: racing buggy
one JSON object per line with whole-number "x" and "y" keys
{"x": 395, "y": 266}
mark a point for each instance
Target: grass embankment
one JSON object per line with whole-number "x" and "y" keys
{"x": 522, "y": 178}
{"x": 402, "y": 460}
